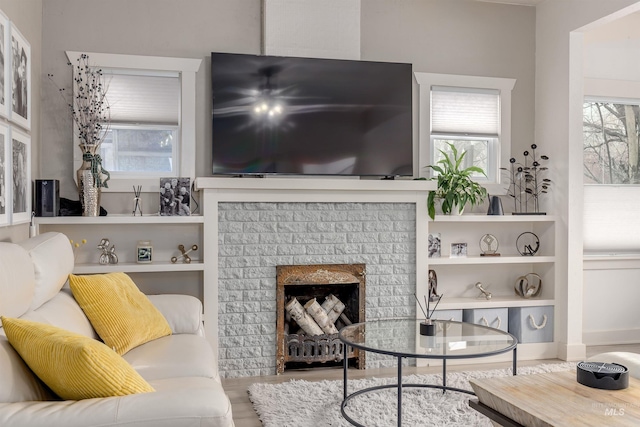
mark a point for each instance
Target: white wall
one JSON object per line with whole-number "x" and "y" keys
{"x": 610, "y": 283}
{"x": 174, "y": 28}
{"x": 559, "y": 79}
{"x": 466, "y": 37}
{"x": 27, "y": 16}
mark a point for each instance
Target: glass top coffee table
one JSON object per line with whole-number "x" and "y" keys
{"x": 397, "y": 337}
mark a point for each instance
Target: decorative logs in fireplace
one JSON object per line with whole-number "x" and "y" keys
{"x": 299, "y": 290}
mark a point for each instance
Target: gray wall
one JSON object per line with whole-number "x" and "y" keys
{"x": 445, "y": 36}
{"x": 175, "y": 28}
{"x": 27, "y": 16}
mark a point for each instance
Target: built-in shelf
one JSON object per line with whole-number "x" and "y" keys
{"x": 494, "y": 302}
{"x": 492, "y": 260}
{"x": 494, "y": 218}
{"x": 119, "y": 219}
{"x": 128, "y": 267}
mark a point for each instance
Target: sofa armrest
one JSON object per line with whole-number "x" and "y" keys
{"x": 177, "y": 403}
{"x": 183, "y": 312}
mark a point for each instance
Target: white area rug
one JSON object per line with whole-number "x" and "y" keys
{"x": 299, "y": 403}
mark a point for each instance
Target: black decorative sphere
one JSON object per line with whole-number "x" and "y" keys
{"x": 526, "y": 153}
{"x": 534, "y": 146}
{"x": 512, "y": 160}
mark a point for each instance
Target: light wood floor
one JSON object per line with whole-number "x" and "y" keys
{"x": 245, "y": 416}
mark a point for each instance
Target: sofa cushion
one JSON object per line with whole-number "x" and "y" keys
{"x": 17, "y": 280}
{"x": 18, "y": 383}
{"x": 64, "y": 312}
{"x": 174, "y": 356}
{"x": 121, "y": 314}
{"x": 51, "y": 272}
{"x": 177, "y": 402}
{"x": 73, "y": 366}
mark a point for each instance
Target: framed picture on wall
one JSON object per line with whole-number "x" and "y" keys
{"x": 5, "y": 186}
{"x": 20, "y": 79}
{"x": 175, "y": 196}
{"x": 20, "y": 177}
{"x": 5, "y": 60}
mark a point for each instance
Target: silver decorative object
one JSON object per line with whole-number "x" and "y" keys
{"x": 528, "y": 286}
{"x": 483, "y": 291}
{"x": 108, "y": 255}
{"x": 89, "y": 193}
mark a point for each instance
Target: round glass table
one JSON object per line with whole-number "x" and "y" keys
{"x": 400, "y": 338}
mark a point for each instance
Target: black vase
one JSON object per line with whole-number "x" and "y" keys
{"x": 495, "y": 206}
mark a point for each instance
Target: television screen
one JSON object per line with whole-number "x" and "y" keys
{"x": 285, "y": 115}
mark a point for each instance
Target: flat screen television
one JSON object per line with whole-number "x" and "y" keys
{"x": 307, "y": 116}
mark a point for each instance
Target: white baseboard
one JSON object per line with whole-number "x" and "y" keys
{"x": 626, "y": 336}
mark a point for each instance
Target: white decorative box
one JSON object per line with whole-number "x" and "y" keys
{"x": 493, "y": 317}
{"x": 531, "y": 324}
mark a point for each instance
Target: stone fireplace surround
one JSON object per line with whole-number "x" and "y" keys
{"x": 261, "y": 223}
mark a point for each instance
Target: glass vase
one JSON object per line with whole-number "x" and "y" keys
{"x": 88, "y": 187}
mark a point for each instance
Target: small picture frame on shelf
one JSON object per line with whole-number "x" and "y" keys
{"x": 175, "y": 196}
{"x": 435, "y": 244}
{"x": 458, "y": 250}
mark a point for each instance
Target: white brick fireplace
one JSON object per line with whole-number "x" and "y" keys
{"x": 252, "y": 225}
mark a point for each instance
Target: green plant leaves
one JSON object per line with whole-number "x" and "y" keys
{"x": 455, "y": 186}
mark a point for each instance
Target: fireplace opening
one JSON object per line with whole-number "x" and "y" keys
{"x": 313, "y": 303}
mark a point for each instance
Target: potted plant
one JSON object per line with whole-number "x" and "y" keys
{"x": 455, "y": 186}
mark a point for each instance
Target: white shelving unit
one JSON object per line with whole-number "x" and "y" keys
{"x": 124, "y": 231}
{"x": 457, "y": 276}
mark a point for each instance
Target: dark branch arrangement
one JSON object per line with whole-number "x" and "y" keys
{"x": 527, "y": 181}
{"x": 88, "y": 104}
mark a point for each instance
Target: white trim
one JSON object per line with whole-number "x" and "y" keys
{"x": 504, "y": 85}
{"x": 187, "y": 67}
{"x": 216, "y": 190}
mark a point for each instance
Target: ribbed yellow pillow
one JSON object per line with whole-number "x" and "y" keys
{"x": 121, "y": 314}
{"x": 73, "y": 366}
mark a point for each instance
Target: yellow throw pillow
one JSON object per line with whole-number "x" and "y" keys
{"x": 121, "y": 314}
{"x": 73, "y": 366}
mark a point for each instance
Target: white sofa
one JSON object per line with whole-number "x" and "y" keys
{"x": 182, "y": 367}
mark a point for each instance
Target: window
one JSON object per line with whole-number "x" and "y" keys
{"x": 144, "y": 136}
{"x": 152, "y": 104}
{"x": 470, "y": 120}
{"x": 611, "y": 127}
{"x": 473, "y": 113}
{"x": 611, "y": 130}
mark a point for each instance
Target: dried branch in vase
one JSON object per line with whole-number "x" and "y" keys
{"x": 88, "y": 103}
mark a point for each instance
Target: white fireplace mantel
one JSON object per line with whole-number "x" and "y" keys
{"x": 303, "y": 190}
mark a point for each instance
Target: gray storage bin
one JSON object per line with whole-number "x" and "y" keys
{"x": 448, "y": 315}
{"x": 531, "y": 324}
{"x": 493, "y": 317}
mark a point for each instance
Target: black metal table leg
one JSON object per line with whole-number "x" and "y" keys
{"x": 444, "y": 375}
{"x": 399, "y": 391}
{"x": 515, "y": 361}
{"x": 345, "y": 362}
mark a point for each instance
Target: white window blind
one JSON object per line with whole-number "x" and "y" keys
{"x": 611, "y": 219}
{"x": 468, "y": 111}
{"x": 143, "y": 99}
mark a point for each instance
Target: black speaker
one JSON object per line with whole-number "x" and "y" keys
{"x": 47, "y": 197}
